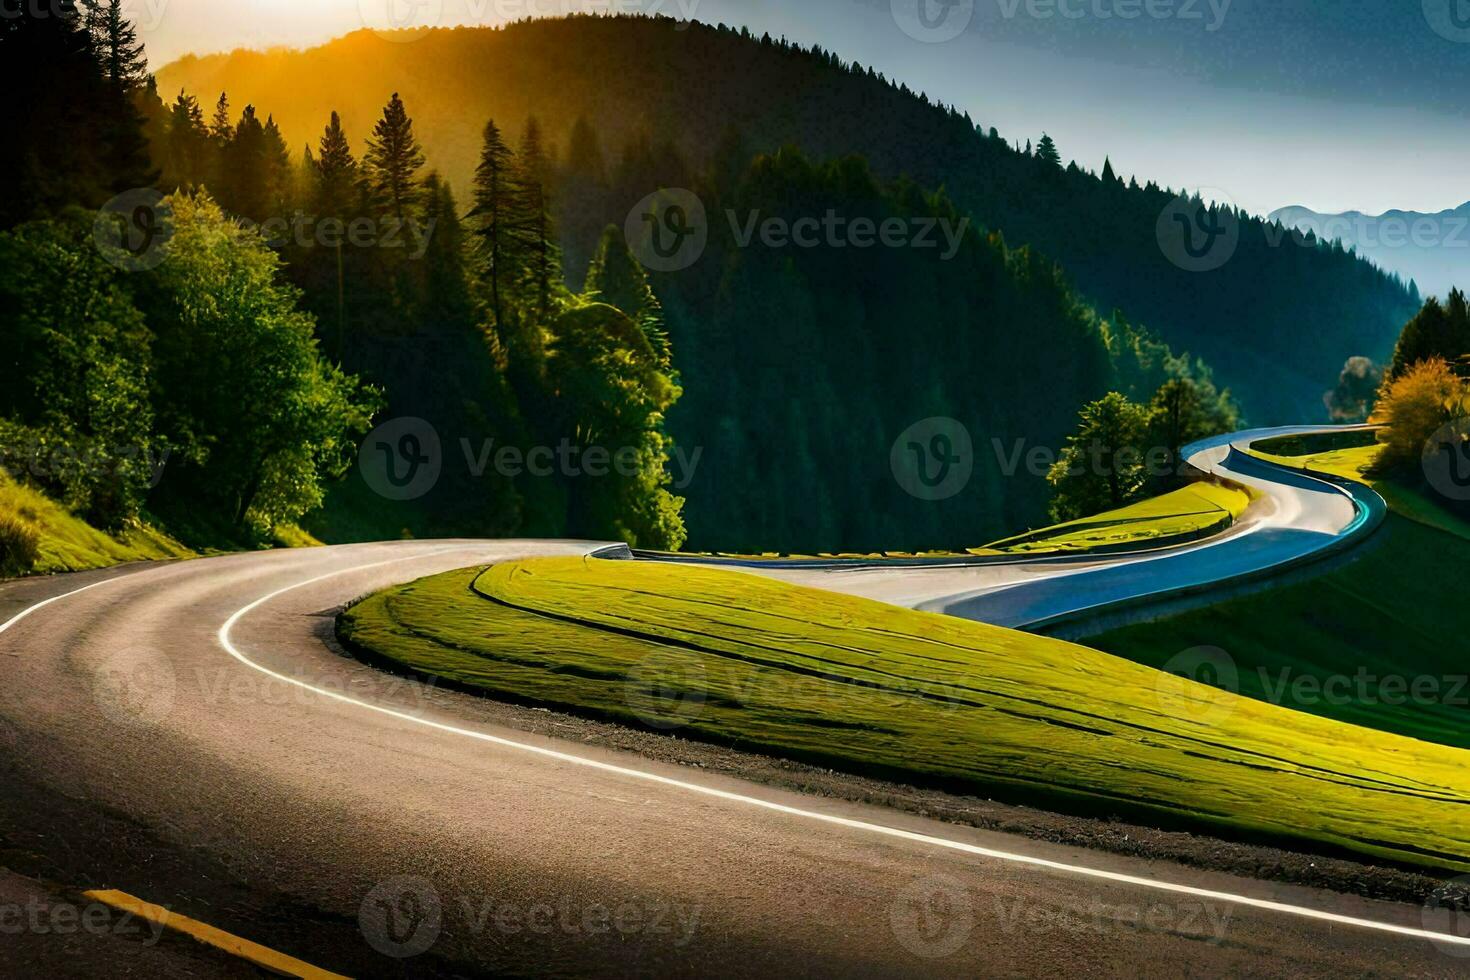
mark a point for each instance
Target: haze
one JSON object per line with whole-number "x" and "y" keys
{"x": 1263, "y": 104}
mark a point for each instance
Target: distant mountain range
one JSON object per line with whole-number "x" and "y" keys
{"x": 1433, "y": 250}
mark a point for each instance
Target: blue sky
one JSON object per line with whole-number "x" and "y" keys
{"x": 1334, "y": 104}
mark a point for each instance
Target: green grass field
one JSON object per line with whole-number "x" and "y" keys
{"x": 1197, "y": 510}
{"x": 1351, "y": 644}
{"x": 873, "y": 688}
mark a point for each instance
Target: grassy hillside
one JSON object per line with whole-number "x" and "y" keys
{"x": 668, "y": 101}
{"x": 870, "y": 687}
{"x": 1376, "y": 642}
{"x": 1197, "y": 510}
{"x": 39, "y": 536}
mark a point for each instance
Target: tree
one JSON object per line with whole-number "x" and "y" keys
{"x": 334, "y": 193}
{"x": 1102, "y": 466}
{"x": 244, "y": 184}
{"x": 617, "y": 278}
{"x": 492, "y": 216}
{"x": 75, "y": 419}
{"x": 125, "y": 71}
{"x": 186, "y": 158}
{"x": 124, "y": 64}
{"x": 1412, "y": 407}
{"x": 336, "y": 172}
{"x": 1182, "y": 411}
{"x": 444, "y": 295}
{"x": 1046, "y": 152}
{"x": 221, "y": 129}
{"x": 279, "y": 177}
{"x": 259, "y": 419}
{"x": 611, "y": 392}
{"x": 1437, "y": 330}
{"x": 1357, "y": 388}
{"x": 532, "y": 230}
{"x": 72, "y": 135}
{"x": 392, "y": 162}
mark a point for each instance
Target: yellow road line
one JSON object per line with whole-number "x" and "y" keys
{"x": 262, "y": 957}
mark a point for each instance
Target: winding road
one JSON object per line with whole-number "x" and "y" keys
{"x": 1295, "y": 518}
{"x": 190, "y": 734}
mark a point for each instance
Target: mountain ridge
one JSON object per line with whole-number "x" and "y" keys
{"x": 1436, "y": 267}
{"x": 1277, "y": 319}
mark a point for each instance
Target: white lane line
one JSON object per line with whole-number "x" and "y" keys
{"x": 56, "y": 598}
{"x": 879, "y": 829}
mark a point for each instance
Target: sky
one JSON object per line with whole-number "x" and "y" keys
{"x": 1332, "y": 104}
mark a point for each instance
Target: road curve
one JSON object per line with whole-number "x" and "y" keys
{"x": 1297, "y": 517}
{"x": 253, "y": 777}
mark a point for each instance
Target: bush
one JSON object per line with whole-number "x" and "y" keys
{"x": 1413, "y": 406}
{"x": 19, "y": 545}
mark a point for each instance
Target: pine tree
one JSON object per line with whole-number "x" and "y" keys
{"x": 336, "y": 171}
{"x": 114, "y": 44}
{"x": 186, "y": 153}
{"x": 245, "y": 168}
{"x": 445, "y": 300}
{"x": 1046, "y": 152}
{"x": 124, "y": 64}
{"x": 1108, "y": 177}
{"x": 532, "y": 228}
{"x": 493, "y": 214}
{"x": 615, "y": 277}
{"x": 392, "y": 162}
{"x": 336, "y": 176}
{"x": 221, "y": 130}
{"x": 278, "y": 174}
{"x": 1438, "y": 330}
{"x": 51, "y": 76}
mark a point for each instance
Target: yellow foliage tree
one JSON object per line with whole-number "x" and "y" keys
{"x": 1413, "y": 406}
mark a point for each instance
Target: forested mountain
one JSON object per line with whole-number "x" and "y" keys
{"x": 1276, "y": 320}
{"x": 800, "y": 367}
{"x": 468, "y": 264}
{"x": 1431, "y": 250}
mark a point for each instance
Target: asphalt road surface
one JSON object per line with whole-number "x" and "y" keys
{"x": 1295, "y": 519}
{"x": 187, "y": 733}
